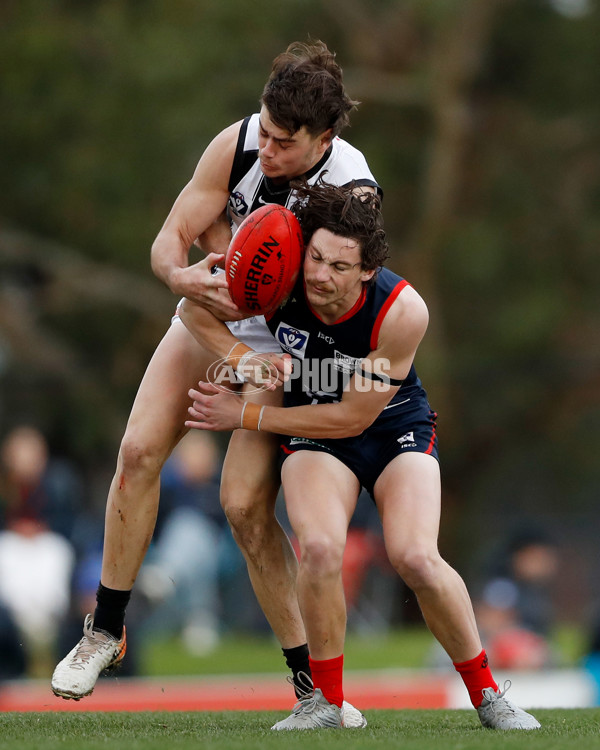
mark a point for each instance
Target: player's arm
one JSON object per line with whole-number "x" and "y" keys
{"x": 197, "y": 209}
{"x": 214, "y": 336}
{"x": 400, "y": 335}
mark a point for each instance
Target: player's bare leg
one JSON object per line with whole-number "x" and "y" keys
{"x": 249, "y": 487}
{"x": 408, "y": 497}
{"x": 321, "y": 495}
{"x": 154, "y": 428}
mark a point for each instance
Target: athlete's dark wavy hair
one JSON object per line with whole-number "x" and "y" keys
{"x": 344, "y": 212}
{"x": 306, "y": 88}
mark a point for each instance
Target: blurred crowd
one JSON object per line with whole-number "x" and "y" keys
{"x": 194, "y": 584}
{"x": 515, "y": 609}
{"x": 51, "y": 554}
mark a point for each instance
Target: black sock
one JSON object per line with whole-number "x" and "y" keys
{"x": 297, "y": 660}
{"x": 110, "y": 610}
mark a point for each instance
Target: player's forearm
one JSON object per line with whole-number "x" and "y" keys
{"x": 167, "y": 259}
{"x": 210, "y": 332}
{"x": 316, "y": 421}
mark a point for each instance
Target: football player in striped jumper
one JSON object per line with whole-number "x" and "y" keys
{"x": 304, "y": 108}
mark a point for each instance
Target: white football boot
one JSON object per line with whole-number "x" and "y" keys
{"x": 76, "y": 675}
{"x": 312, "y": 711}
{"x": 351, "y": 717}
{"x": 496, "y": 712}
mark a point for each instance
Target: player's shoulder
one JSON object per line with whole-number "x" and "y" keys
{"x": 344, "y": 152}
{"x": 231, "y": 133}
{"x": 408, "y": 309}
{"x": 217, "y": 160}
{"x": 342, "y": 146}
{"x": 347, "y": 163}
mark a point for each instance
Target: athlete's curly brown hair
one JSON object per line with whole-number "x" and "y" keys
{"x": 306, "y": 88}
{"x": 346, "y": 212}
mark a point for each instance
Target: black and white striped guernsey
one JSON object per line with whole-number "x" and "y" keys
{"x": 249, "y": 188}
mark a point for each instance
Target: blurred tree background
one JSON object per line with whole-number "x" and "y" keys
{"x": 481, "y": 120}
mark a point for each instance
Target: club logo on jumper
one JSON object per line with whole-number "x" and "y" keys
{"x": 407, "y": 440}
{"x": 238, "y": 204}
{"x": 344, "y": 362}
{"x": 292, "y": 340}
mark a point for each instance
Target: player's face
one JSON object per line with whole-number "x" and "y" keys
{"x": 284, "y": 156}
{"x": 332, "y": 274}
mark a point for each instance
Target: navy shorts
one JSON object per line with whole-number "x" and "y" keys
{"x": 406, "y": 427}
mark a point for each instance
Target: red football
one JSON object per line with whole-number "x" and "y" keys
{"x": 263, "y": 259}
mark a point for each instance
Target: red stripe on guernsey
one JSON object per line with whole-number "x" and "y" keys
{"x": 433, "y": 434}
{"x": 384, "y": 310}
{"x": 355, "y": 307}
{"x": 346, "y": 316}
{"x": 286, "y": 450}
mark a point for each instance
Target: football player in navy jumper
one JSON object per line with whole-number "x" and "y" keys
{"x": 355, "y": 414}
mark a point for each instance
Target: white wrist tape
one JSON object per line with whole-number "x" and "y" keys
{"x": 260, "y": 416}
{"x": 239, "y": 370}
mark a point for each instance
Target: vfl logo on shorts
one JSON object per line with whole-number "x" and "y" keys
{"x": 292, "y": 340}
{"x": 407, "y": 440}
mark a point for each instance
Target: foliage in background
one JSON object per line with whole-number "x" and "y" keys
{"x": 480, "y": 120}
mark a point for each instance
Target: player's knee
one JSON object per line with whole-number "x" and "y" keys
{"x": 250, "y": 524}
{"x": 417, "y": 566}
{"x": 138, "y": 457}
{"x": 321, "y": 556}
{"x": 250, "y": 510}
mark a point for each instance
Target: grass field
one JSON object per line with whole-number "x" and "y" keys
{"x": 401, "y": 730}
{"x": 407, "y": 647}
{"x": 244, "y": 654}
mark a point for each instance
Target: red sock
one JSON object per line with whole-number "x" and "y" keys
{"x": 328, "y": 675}
{"x": 477, "y": 676}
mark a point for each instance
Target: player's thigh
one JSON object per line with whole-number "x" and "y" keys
{"x": 160, "y": 407}
{"x": 250, "y": 478}
{"x": 408, "y": 497}
{"x": 320, "y": 494}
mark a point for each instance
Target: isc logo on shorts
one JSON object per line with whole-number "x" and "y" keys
{"x": 292, "y": 340}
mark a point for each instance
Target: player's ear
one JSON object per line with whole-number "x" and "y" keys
{"x": 367, "y": 275}
{"x": 325, "y": 139}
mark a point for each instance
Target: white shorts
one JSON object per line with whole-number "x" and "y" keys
{"x": 254, "y": 332}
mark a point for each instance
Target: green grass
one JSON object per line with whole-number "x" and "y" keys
{"x": 401, "y": 730}
{"x": 243, "y": 654}
{"x": 408, "y": 647}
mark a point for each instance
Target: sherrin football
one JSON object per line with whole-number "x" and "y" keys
{"x": 263, "y": 259}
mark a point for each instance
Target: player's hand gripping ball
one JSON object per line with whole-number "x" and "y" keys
{"x": 264, "y": 259}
